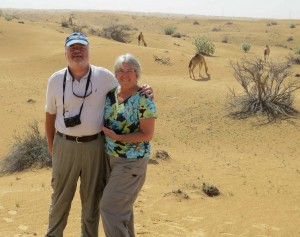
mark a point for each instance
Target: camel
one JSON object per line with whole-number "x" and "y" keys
{"x": 141, "y": 38}
{"x": 198, "y": 59}
{"x": 70, "y": 21}
{"x": 266, "y": 53}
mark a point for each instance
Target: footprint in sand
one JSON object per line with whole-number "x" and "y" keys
{"x": 11, "y": 212}
{"x": 193, "y": 218}
{"x": 8, "y": 220}
{"x": 23, "y": 227}
{"x": 260, "y": 226}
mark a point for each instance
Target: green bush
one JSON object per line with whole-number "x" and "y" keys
{"x": 245, "y": 46}
{"x": 297, "y": 50}
{"x": 8, "y": 17}
{"x": 204, "y": 46}
{"x": 30, "y": 151}
{"x": 169, "y": 30}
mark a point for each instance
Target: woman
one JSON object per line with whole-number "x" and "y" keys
{"x": 129, "y": 119}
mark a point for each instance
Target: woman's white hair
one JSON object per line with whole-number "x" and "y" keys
{"x": 131, "y": 60}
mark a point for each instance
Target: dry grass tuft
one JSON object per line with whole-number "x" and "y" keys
{"x": 30, "y": 151}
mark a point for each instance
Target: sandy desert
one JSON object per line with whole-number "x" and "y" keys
{"x": 255, "y": 166}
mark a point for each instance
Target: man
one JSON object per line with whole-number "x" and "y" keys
{"x": 75, "y": 101}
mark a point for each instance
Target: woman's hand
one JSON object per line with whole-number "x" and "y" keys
{"x": 110, "y": 133}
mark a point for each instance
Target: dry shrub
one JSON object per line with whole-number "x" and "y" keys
{"x": 30, "y": 151}
{"x": 161, "y": 154}
{"x": 120, "y": 33}
{"x": 64, "y": 23}
{"x": 266, "y": 90}
{"x": 162, "y": 60}
{"x": 210, "y": 190}
{"x": 294, "y": 59}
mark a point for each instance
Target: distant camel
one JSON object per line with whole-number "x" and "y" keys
{"x": 70, "y": 21}
{"x": 198, "y": 59}
{"x": 266, "y": 53}
{"x": 141, "y": 38}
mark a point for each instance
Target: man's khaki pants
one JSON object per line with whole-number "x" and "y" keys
{"x": 116, "y": 206}
{"x": 70, "y": 161}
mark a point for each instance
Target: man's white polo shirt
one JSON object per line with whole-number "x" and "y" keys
{"x": 102, "y": 81}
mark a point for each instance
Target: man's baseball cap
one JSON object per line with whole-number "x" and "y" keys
{"x": 76, "y": 38}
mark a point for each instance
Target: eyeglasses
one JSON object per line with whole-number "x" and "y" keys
{"x": 126, "y": 72}
{"x": 88, "y": 92}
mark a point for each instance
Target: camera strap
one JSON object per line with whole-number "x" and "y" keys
{"x": 86, "y": 89}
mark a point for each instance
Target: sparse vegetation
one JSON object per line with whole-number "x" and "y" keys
{"x": 210, "y": 190}
{"x": 297, "y": 50}
{"x": 290, "y": 38}
{"x": 93, "y": 31}
{"x": 225, "y": 39}
{"x": 177, "y": 35}
{"x": 169, "y": 30}
{"x": 120, "y": 33}
{"x": 266, "y": 90}
{"x": 204, "y": 46}
{"x": 196, "y": 23}
{"x": 162, "y": 60}
{"x": 292, "y": 25}
{"x": 181, "y": 193}
{"x": 245, "y": 46}
{"x": 27, "y": 152}
{"x": 216, "y": 29}
{"x": 293, "y": 59}
{"x": 77, "y": 28}
{"x": 271, "y": 23}
{"x": 161, "y": 154}
{"x": 64, "y": 23}
{"x": 8, "y": 17}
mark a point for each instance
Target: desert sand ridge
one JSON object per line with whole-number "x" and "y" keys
{"x": 256, "y": 167}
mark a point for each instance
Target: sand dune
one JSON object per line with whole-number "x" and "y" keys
{"x": 256, "y": 168}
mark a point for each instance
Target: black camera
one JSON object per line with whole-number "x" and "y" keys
{"x": 72, "y": 121}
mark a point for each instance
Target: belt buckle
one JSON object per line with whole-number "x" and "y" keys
{"x": 77, "y": 140}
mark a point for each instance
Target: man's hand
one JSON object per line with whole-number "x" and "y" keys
{"x": 146, "y": 89}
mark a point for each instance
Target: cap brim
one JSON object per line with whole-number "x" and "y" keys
{"x": 76, "y": 41}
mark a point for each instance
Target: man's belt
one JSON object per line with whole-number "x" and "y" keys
{"x": 80, "y": 139}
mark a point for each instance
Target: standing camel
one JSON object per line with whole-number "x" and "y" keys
{"x": 198, "y": 59}
{"x": 141, "y": 38}
{"x": 266, "y": 53}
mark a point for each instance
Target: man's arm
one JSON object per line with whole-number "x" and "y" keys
{"x": 50, "y": 130}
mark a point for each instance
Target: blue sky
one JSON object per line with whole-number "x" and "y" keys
{"x": 281, "y": 9}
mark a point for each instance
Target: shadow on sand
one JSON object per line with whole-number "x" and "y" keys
{"x": 202, "y": 78}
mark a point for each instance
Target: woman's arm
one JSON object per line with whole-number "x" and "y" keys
{"x": 145, "y": 133}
